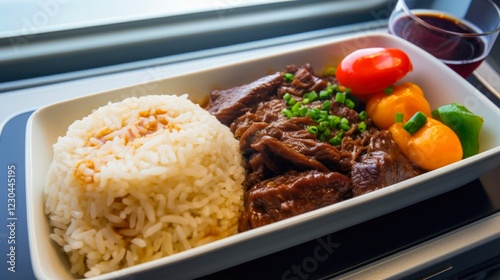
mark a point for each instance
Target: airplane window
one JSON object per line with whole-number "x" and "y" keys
{"x": 50, "y": 38}
{"x": 22, "y": 17}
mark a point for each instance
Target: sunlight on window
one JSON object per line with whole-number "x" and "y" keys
{"x": 23, "y": 17}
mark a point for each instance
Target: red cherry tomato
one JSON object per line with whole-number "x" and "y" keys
{"x": 372, "y": 70}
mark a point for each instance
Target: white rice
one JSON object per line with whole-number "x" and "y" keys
{"x": 142, "y": 179}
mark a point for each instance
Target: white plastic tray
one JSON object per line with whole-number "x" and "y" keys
{"x": 439, "y": 83}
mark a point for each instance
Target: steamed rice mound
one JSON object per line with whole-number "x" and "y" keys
{"x": 141, "y": 179}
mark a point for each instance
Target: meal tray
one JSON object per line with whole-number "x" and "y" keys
{"x": 440, "y": 85}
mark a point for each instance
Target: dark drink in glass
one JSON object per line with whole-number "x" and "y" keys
{"x": 462, "y": 43}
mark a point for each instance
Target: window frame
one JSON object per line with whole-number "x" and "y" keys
{"x": 34, "y": 59}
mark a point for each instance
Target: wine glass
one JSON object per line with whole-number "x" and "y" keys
{"x": 460, "y": 33}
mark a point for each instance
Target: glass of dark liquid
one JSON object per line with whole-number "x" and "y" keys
{"x": 460, "y": 32}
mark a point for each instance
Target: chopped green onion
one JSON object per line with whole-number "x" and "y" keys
{"x": 333, "y": 121}
{"x": 296, "y": 106}
{"x": 334, "y": 87}
{"x": 324, "y": 134}
{"x": 330, "y": 71}
{"x": 325, "y": 123}
{"x": 324, "y": 94}
{"x": 353, "y": 98}
{"x": 310, "y": 97}
{"x": 362, "y": 127}
{"x": 362, "y": 115}
{"x": 312, "y": 114}
{"x": 326, "y": 106}
{"x": 313, "y": 95}
{"x": 303, "y": 111}
{"x": 344, "y": 124}
{"x": 327, "y": 132}
{"x": 321, "y": 137}
{"x": 337, "y": 140}
{"x": 340, "y": 97}
{"x": 389, "y": 90}
{"x": 349, "y": 103}
{"x": 323, "y": 126}
{"x": 291, "y": 102}
{"x": 321, "y": 115}
{"x": 399, "y": 117}
{"x": 415, "y": 123}
{"x": 287, "y": 113}
{"x": 312, "y": 129}
{"x": 288, "y": 77}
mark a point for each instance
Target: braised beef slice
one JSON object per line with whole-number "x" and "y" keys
{"x": 280, "y": 157}
{"x": 267, "y": 112}
{"x": 382, "y": 165}
{"x": 259, "y": 171}
{"x": 286, "y": 144}
{"x": 241, "y": 124}
{"x": 229, "y": 104}
{"x": 270, "y": 111}
{"x": 355, "y": 147}
{"x": 251, "y": 135}
{"x": 291, "y": 194}
{"x": 339, "y": 109}
{"x": 304, "y": 81}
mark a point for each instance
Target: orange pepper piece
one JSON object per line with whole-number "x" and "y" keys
{"x": 432, "y": 146}
{"x": 406, "y": 98}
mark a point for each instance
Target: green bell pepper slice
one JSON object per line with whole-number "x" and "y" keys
{"x": 464, "y": 123}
